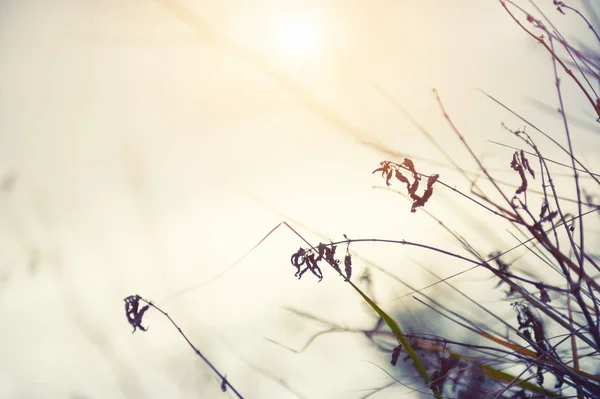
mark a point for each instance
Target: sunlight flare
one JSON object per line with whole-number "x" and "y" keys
{"x": 296, "y": 40}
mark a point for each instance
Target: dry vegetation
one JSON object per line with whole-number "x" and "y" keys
{"x": 550, "y": 348}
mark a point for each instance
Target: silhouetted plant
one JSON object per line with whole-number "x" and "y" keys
{"x": 571, "y": 309}
{"x": 134, "y": 315}
{"x": 390, "y": 169}
{"x": 546, "y": 315}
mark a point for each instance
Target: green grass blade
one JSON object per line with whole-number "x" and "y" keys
{"x": 399, "y": 335}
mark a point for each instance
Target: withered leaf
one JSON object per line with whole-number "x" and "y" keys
{"x": 540, "y": 376}
{"x": 382, "y": 170}
{"x": 133, "y": 313}
{"x": 426, "y": 195}
{"x": 297, "y": 259}
{"x": 525, "y": 162}
{"x": 409, "y": 164}
{"x": 384, "y": 166}
{"x": 321, "y": 248}
{"x": 396, "y": 354}
{"x": 388, "y": 177}
{"x": 348, "y": 266}
{"x": 330, "y": 258}
{"x": 519, "y": 163}
{"x": 544, "y": 209}
{"x": 551, "y": 216}
{"x": 439, "y": 376}
{"x": 389, "y": 169}
{"x": 311, "y": 264}
{"x": 402, "y": 179}
{"x": 544, "y": 297}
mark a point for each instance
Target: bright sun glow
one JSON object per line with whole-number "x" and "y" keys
{"x": 296, "y": 40}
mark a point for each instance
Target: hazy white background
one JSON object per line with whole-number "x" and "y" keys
{"x": 141, "y": 155}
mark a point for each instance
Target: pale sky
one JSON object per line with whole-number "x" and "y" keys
{"x": 154, "y": 142}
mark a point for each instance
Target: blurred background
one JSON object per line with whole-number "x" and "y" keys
{"x": 145, "y": 146}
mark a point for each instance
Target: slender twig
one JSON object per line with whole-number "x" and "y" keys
{"x": 135, "y": 318}
{"x": 579, "y": 254}
{"x": 543, "y": 133}
{"x": 593, "y": 103}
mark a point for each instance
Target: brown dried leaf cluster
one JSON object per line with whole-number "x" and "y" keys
{"x": 310, "y": 259}
{"x": 390, "y": 169}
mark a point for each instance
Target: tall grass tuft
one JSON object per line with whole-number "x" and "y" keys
{"x": 550, "y": 345}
